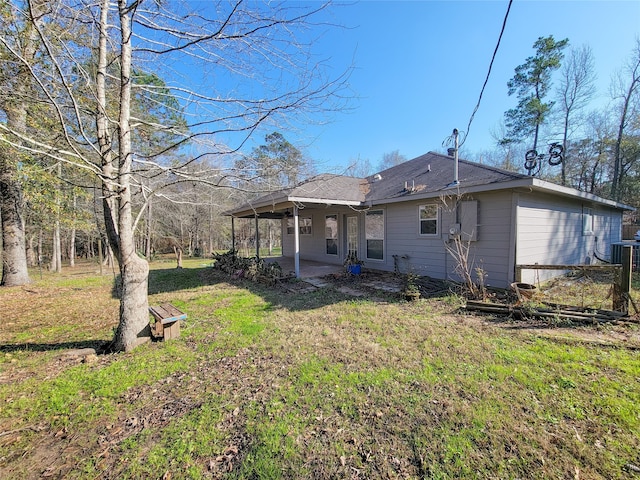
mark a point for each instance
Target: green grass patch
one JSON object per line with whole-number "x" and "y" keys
{"x": 83, "y": 393}
{"x": 269, "y": 384}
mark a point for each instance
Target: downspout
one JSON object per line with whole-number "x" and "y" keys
{"x": 296, "y": 246}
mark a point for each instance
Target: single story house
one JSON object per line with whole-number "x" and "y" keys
{"x": 411, "y": 217}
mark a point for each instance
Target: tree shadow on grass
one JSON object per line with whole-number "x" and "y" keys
{"x": 167, "y": 280}
{"x": 175, "y": 279}
{"x": 293, "y": 294}
{"x": 100, "y": 346}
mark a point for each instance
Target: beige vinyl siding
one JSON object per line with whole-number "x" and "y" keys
{"x": 287, "y": 241}
{"x": 491, "y": 250}
{"x": 550, "y": 231}
{"x": 425, "y": 252}
{"x": 313, "y": 247}
{"x": 524, "y": 228}
{"x": 428, "y": 255}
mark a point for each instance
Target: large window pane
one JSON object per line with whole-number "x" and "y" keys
{"x": 428, "y": 217}
{"x": 331, "y": 234}
{"x": 374, "y": 226}
{"x": 305, "y": 225}
{"x": 375, "y": 249}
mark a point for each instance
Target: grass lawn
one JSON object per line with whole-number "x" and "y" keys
{"x": 268, "y": 384}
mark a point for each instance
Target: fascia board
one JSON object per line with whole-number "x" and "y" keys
{"x": 522, "y": 183}
{"x": 572, "y": 192}
{"x": 325, "y": 201}
{"x": 251, "y": 208}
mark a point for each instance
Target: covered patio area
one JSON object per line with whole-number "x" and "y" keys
{"x": 308, "y": 268}
{"x": 328, "y": 197}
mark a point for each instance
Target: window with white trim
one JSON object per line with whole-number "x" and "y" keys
{"x": 428, "y": 218}
{"x": 331, "y": 234}
{"x": 305, "y": 225}
{"x": 374, "y": 234}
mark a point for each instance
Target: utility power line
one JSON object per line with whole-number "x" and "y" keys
{"x": 504, "y": 23}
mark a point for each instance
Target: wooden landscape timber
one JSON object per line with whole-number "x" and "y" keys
{"x": 550, "y": 311}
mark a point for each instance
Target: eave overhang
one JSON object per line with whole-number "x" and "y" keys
{"x": 524, "y": 184}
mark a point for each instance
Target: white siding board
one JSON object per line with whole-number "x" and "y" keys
{"x": 428, "y": 255}
{"x": 550, "y": 232}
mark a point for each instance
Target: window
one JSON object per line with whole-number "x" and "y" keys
{"x": 331, "y": 234}
{"x": 352, "y": 236}
{"x": 428, "y": 215}
{"x": 374, "y": 233}
{"x": 305, "y": 225}
{"x": 587, "y": 221}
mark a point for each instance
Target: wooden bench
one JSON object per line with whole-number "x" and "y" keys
{"x": 167, "y": 320}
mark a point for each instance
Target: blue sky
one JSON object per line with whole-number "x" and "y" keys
{"x": 420, "y": 65}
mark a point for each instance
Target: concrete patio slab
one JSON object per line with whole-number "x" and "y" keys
{"x": 308, "y": 269}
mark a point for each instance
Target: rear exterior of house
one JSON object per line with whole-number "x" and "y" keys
{"x": 563, "y": 233}
{"x": 411, "y": 217}
{"x": 407, "y": 237}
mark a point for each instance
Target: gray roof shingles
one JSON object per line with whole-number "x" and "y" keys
{"x": 433, "y": 172}
{"x": 331, "y": 187}
{"x": 428, "y": 173}
{"x": 422, "y": 177}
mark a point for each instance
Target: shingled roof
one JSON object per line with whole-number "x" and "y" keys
{"x": 331, "y": 188}
{"x": 326, "y": 188}
{"x": 426, "y": 176}
{"x": 431, "y": 173}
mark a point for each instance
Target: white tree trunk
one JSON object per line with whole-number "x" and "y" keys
{"x": 56, "y": 255}
{"x": 14, "y": 257}
{"x": 72, "y": 238}
{"x": 134, "y": 271}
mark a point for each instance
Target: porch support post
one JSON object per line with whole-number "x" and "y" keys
{"x": 233, "y": 233}
{"x": 296, "y": 243}
{"x": 257, "y": 237}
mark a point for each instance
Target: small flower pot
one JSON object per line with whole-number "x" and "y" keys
{"x": 354, "y": 269}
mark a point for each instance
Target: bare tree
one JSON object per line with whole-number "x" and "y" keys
{"x": 263, "y": 51}
{"x": 575, "y": 90}
{"x": 391, "y": 159}
{"x": 626, "y": 90}
{"x": 591, "y": 155}
{"x": 507, "y": 149}
{"x": 15, "y": 90}
{"x": 360, "y": 167}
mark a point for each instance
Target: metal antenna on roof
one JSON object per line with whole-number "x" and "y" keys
{"x": 455, "y": 157}
{"x": 453, "y": 152}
